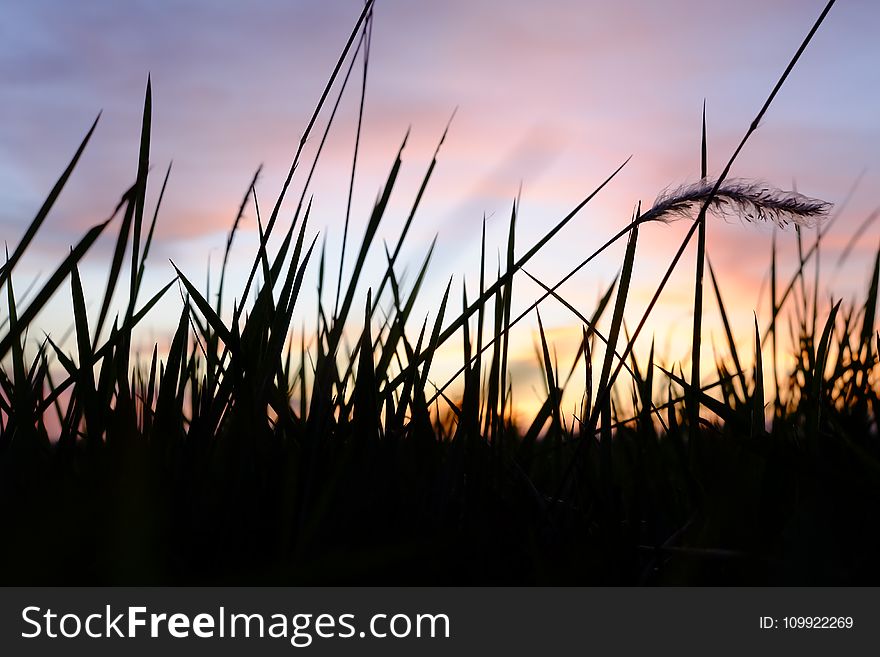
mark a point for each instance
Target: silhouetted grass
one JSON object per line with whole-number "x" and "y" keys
{"x": 242, "y": 457}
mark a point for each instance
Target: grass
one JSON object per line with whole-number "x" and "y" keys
{"x": 241, "y": 457}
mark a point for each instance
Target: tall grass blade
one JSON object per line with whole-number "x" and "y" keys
{"x": 758, "y": 395}
{"x": 731, "y": 343}
{"x": 43, "y": 212}
{"x": 140, "y": 195}
{"x": 697, "y": 338}
{"x": 51, "y": 285}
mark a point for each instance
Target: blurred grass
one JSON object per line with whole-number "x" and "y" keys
{"x": 242, "y": 457}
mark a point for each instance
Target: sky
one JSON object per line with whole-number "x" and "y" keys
{"x": 551, "y": 97}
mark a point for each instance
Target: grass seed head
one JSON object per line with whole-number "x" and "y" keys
{"x": 750, "y": 200}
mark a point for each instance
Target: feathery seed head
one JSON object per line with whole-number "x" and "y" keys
{"x": 751, "y": 200}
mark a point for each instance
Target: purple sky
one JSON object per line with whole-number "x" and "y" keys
{"x": 553, "y": 95}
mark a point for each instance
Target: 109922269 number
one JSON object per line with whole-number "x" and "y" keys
{"x": 817, "y": 622}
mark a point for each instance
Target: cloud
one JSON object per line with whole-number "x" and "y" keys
{"x": 551, "y": 95}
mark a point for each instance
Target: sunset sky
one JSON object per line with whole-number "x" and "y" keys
{"x": 552, "y": 96}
